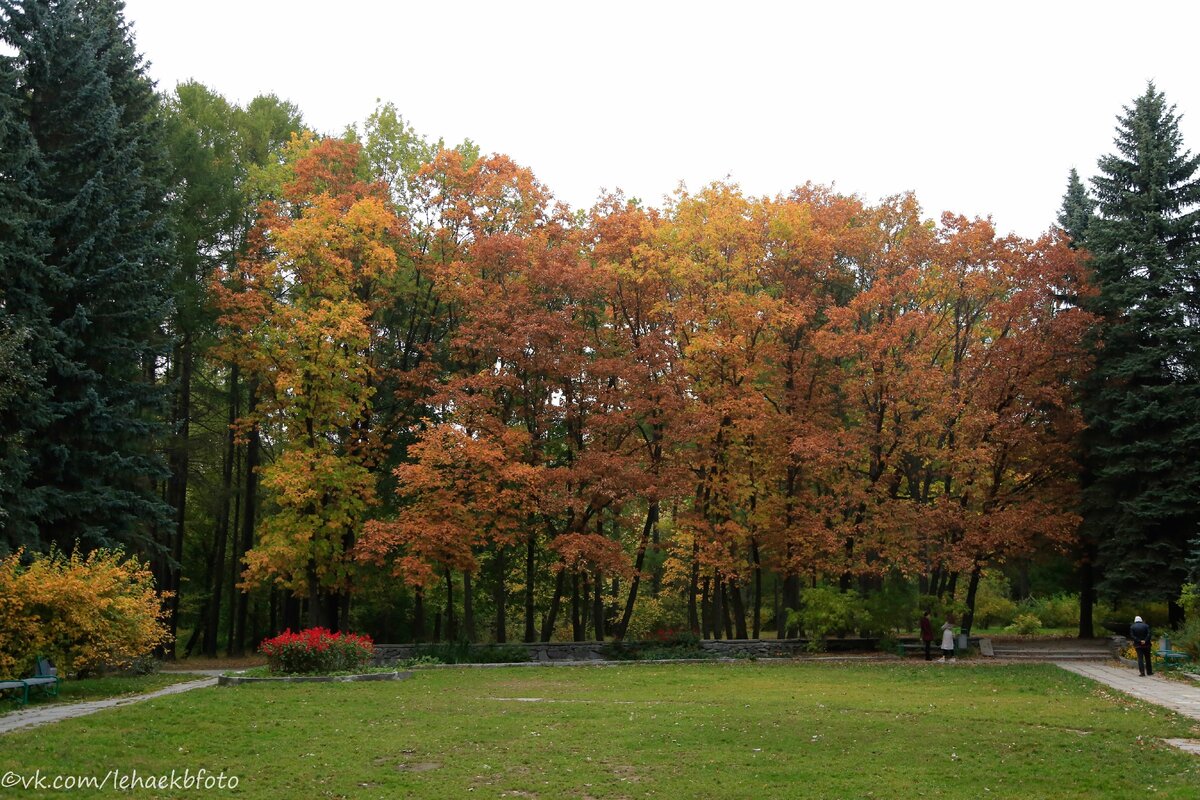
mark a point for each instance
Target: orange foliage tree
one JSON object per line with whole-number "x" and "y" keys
{"x": 806, "y": 386}
{"x": 302, "y": 318}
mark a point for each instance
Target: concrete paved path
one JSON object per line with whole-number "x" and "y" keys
{"x": 42, "y": 715}
{"x": 1175, "y": 695}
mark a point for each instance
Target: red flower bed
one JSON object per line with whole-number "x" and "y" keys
{"x": 317, "y": 650}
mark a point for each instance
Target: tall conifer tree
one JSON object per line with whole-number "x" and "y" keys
{"x": 93, "y": 459}
{"x": 1143, "y": 408}
{"x": 1078, "y": 210}
{"x": 25, "y": 336}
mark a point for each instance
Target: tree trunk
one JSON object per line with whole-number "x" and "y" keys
{"x": 555, "y": 602}
{"x": 718, "y": 606}
{"x": 639, "y": 560}
{"x": 727, "y": 607}
{"x": 1175, "y": 614}
{"x": 316, "y": 605}
{"x": 577, "y": 634}
{"x": 598, "y": 608}
{"x": 530, "y": 565}
{"x": 249, "y": 501}
{"x": 291, "y": 612}
{"x": 972, "y": 586}
{"x": 695, "y": 622}
{"x": 706, "y": 626}
{"x": 469, "y": 607}
{"x": 1087, "y": 590}
{"x": 451, "y": 620}
{"x": 757, "y": 589}
{"x": 178, "y": 481}
{"x": 498, "y": 597}
{"x": 343, "y": 611}
{"x": 195, "y": 637}
{"x": 791, "y": 602}
{"x": 235, "y": 549}
{"x": 221, "y": 534}
{"x": 418, "y": 625}
{"x": 739, "y": 610}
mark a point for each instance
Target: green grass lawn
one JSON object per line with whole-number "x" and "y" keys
{"x": 83, "y": 689}
{"x": 814, "y": 730}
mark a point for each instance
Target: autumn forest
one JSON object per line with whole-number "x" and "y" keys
{"x": 374, "y": 382}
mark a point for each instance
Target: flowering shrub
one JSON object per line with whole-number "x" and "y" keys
{"x": 1156, "y": 659}
{"x": 84, "y": 613}
{"x": 317, "y": 650}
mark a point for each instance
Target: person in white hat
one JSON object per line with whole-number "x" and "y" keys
{"x": 1139, "y": 632}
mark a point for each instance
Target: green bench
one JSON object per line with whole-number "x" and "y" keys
{"x": 19, "y": 687}
{"x": 44, "y": 677}
{"x": 907, "y": 647}
{"x": 1171, "y": 659}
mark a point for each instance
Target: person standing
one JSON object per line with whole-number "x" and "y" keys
{"x": 1139, "y": 632}
{"x": 948, "y": 639}
{"x": 927, "y": 635}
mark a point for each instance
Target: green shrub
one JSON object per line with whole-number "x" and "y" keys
{"x": 1156, "y": 614}
{"x": 893, "y": 608}
{"x": 941, "y": 608}
{"x": 664, "y": 645}
{"x": 825, "y": 610}
{"x": 1056, "y": 611}
{"x": 993, "y": 601}
{"x": 1187, "y": 638}
{"x": 464, "y": 653}
{"x": 665, "y": 612}
{"x": 1026, "y": 624}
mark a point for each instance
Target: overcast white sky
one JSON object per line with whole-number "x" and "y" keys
{"x": 979, "y": 108}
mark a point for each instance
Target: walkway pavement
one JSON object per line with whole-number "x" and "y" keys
{"x": 1175, "y": 695}
{"x": 41, "y": 715}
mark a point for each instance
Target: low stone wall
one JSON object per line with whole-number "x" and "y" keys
{"x": 595, "y": 651}
{"x": 238, "y": 680}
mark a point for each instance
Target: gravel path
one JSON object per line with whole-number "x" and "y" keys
{"x": 42, "y": 715}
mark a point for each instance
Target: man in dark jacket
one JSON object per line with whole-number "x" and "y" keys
{"x": 1139, "y": 632}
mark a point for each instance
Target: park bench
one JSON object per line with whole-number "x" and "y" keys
{"x": 906, "y": 647}
{"x": 1171, "y": 659}
{"x": 45, "y": 677}
{"x": 915, "y": 647}
{"x": 19, "y": 687}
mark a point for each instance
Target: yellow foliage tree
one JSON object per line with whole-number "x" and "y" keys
{"x": 83, "y": 612}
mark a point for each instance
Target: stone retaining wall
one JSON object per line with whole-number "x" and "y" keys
{"x": 595, "y": 651}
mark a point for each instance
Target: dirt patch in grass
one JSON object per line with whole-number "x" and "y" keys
{"x": 244, "y": 662}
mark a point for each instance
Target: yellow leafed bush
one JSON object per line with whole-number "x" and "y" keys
{"x": 82, "y": 612}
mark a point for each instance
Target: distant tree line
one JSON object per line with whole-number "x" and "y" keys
{"x": 374, "y": 382}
